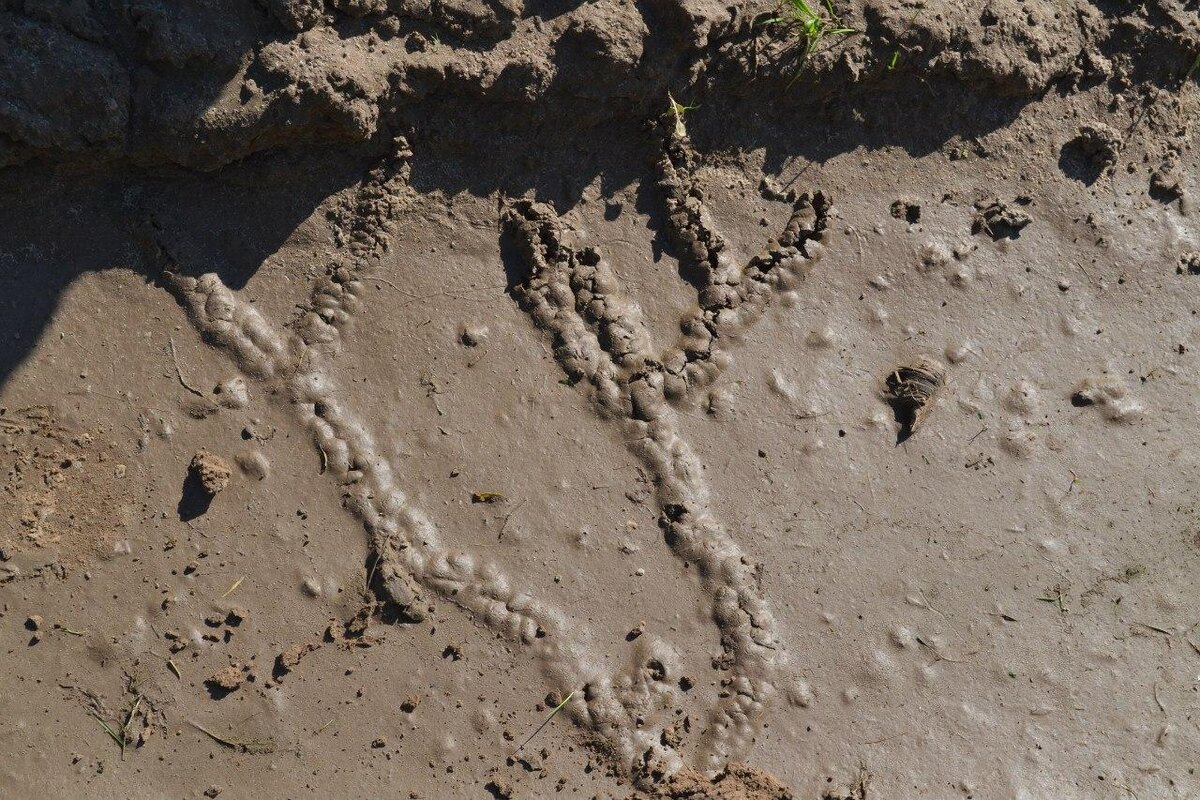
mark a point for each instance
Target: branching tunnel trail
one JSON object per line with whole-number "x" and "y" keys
{"x": 600, "y": 341}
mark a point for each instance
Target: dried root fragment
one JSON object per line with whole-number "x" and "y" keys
{"x": 909, "y": 390}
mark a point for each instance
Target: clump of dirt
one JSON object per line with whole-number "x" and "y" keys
{"x": 500, "y": 789}
{"x": 1189, "y": 263}
{"x": 1167, "y": 182}
{"x": 228, "y": 679}
{"x": 210, "y": 471}
{"x": 907, "y": 209}
{"x": 909, "y": 391}
{"x": 208, "y": 474}
{"x": 735, "y": 782}
{"x": 1001, "y": 220}
{"x": 290, "y": 658}
{"x": 1100, "y": 144}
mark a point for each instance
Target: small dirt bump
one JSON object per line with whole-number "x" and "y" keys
{"x": 472, "y": 334}
{"x": 290, "y": 658}
{"x": 233, "y": 393}
{"x": 207, "y": 475}
{"x": 254, "y": 464}
{"x": 1091, "y": 154}
{"x": 1166, "y": 182}
{"x": 498, "y": 789}
{"x": 1109, "y": 395}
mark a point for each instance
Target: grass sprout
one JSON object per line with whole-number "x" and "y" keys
{"x": 810, "y": 22}
{"x": 677, "y": 111}
{"x": 546, "y": 721}
{"x": 122, "y": 735}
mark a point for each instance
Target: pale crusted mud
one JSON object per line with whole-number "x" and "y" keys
{"x": 527, "y": 399}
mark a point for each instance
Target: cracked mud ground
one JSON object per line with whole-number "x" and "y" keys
{"x": 550, "y": 399}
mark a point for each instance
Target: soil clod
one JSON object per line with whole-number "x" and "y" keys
{"x": 224, "y": 681}
{"x": 207, "y": 475}
{"x": 909, "y": 390}
{"x": 1000, "y": 220}
{"x": 211, "y": 471}
{"x": 1166, "y": 182}
{"x": 1100, "y": 144}
{"x": 473, "y": 334}
{"x": 290, "y": 658}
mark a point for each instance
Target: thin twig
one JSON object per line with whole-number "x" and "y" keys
{"x": 500, "y": 537}
{"x": 371, "y": 574}
{"x": 242, "y": 746}
{"x": 179, "y": 372}
{"x": 233, "y": 588}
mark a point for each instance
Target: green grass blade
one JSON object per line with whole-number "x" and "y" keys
{"x": 557, "y": 708}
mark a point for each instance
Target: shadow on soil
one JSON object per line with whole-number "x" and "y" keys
{"x": 59, "y": 226}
